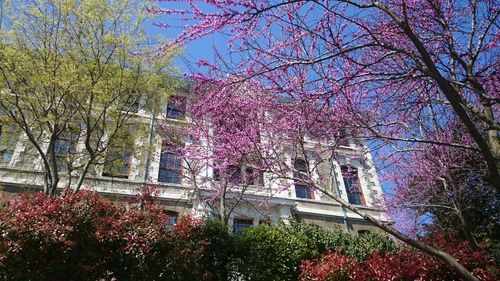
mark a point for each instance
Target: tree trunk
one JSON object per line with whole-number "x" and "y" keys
{"x": 486, "y": 147}
{"x": 81, "y": 178}
{"x": 222, "y": 206}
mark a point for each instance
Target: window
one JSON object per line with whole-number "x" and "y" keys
{"x": 170, "y": 164}
{"x": 132, "y": 103}
{"x": 64, "y": 145}
{"x": 253, "y": 177}
{"x": 234, "y": 174}
{"x": 352, "y": 186}
{"x": 217, "y": 176}
{"x": 342, "y": 138}
{"x": 302, "y": 190}
{"x": 241, "y": 224}
{"x": 172, "y": 217}
{"x": 117, "y": 162}
{"x": 176, "y": 108}
{"x": 265, "y": 221}
{"x": 237, "y": 174}
{"x": 8, "y": 140}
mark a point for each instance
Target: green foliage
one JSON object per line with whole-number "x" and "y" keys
{"x": 274, "y": 252}
{"x": 271, "y": 253}
{"x": 219, "y": 249}
{"x": 357, "y": 246}
{"x": 76, "y": 70}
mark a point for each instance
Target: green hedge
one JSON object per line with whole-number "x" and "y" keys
{"x": 274, "y": 252}
{"x": 357, "y": 246}
{"x": 271, "y": 253}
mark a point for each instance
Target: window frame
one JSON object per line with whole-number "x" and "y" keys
{"x": 298, "y": 185}
{"x": 251, "y": 176}
{"x": 178, "y": 106}
{"x": 166, "y": 168}
{"x": 242, "y": 176}
{"x": 240, "y": 224}
{"x": 70, "y": 140}
{"x": 12, "y": 138}
{"x": 171, "y": 214}
{"x": 348, "y": 184}
{"x": 132, "y": 103}
{"x": 124, "y": 151}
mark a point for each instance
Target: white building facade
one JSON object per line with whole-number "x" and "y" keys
{"x": 352, "y": 177}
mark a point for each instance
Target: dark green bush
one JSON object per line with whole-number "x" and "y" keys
{"x": 357, "y": 246}
{"x": 271, "y": 253}
{"x": 218, "y": 254}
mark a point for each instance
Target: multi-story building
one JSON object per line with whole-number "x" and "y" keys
{"x": 352, "y": 176}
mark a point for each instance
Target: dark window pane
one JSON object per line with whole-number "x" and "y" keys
{"x": 300, "y": 165}
{"x": 253, "y": 177}
{"x": 301, "y": 169}
{"x": 61, "y": 146}
{"x": 170, "y": 165}
{"x": 216, "y": 174}
{"x": 352, "y": 185}
{"x": 117, "y": 162}
{"x": 303, "y": 191}
{"x": 132, "y": 103}
{"x": 172, "y": 217}
{"x": 354, "y": 198}
{"x": 241, "y": 224}
{"x": 169, "y": 176}
{"x": 234, "y": 174}
{"x": 8, "y": 140}
{"x": 176, "y": 108}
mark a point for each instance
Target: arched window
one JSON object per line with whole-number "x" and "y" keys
{"x": 302, "y": 190}
{"x": 352, "y": 185}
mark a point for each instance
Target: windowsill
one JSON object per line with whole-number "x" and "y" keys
{"x": 242, "y": 184}
{"x": 323, "y": 202}
{"x": 349, "y": 147}
{"x": 175, "y": 120}
{"x": 308, "y": 199}
{"x": 123, "y": 177}
{"x": 167, "y": 184}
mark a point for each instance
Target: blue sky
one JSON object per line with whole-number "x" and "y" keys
{"x": 193, "y": 51}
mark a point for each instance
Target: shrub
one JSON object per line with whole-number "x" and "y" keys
{"x": 404, "y": 264}
{"x": 84, "y": 237}
{"x": 78, "y": 237}
{"x": 219, "y": 251}
{"x": 271, "y": 253}
{"x": 201, "y": 250}
{"x": 329, "y": 266}
{"x": 357, "y": 246}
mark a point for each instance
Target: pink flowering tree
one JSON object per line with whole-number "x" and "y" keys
{"x": 220, "y": 147}
{"x": 456, "y": 197}
{"x": 236, "y": 125}
{"x": 399, "y": 72}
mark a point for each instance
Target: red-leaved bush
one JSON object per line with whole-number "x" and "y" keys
{"x": 85, "y": 237}
{"x": 405, "y": 264}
